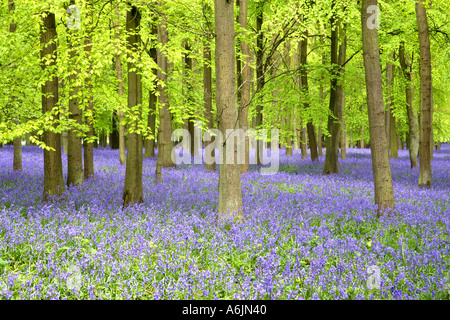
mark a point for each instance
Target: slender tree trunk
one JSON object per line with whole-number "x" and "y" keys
{"x": 287, "y": 119}
{"x": 340, "y": 94}
{"x": 304, "y": 142}
{"x": 245, "y": 86}
{"x": 260, "y": 80}
{"x": 303, "y": 51}
{"x": 426, "y": 97}
{"x": 114, "y": 135}
{"x": 319, "y": 140}
{"x": 165, "y": 118}
{"x": 207, "y": 96}
{"x": 392, "y": 131}
{"x": 121, "y": 114}
{"x": 384, "y": 192}
{"x": 188, "y": 70}
{"x": 332, "y": 144}
{"x": 230, "y": 192}
{"x": 53, "y": 177}
{"x": 17, "y": 160}
{"x": 152, "y": 100}
{"x": 361, "y": 141}
{"x": 88, "y": 144}
{"x": 74, "y": 154}
{"x": 322, "y": 96}
{"x": 344, "y": 139}
{"x": 133, "y": 189}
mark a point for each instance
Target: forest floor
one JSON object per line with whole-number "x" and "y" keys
{"x": 304, "y": 236}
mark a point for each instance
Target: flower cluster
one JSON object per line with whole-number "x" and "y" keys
{"x": 304, "y": 235}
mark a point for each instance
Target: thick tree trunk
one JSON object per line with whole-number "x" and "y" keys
{"x": 165, "y": 118}
{"x": 426, "y": 96}
{"x": 335, "y": 116}
{"x": 303, "y": 51}
{"x": 121, "y": 114}
{"x": 88, "y": 146}
{"x": 133, "y": 189}
{"x": 75, "y": 173}
{"x": 53, "y": 176}
{"x": 230, "y": 192}
{"x": 384, "y": 192}
{"x": 426, "y": 100}
{"x": 244, "y": 87}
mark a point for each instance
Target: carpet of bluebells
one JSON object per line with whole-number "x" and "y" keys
{"x": 304, "y": 236}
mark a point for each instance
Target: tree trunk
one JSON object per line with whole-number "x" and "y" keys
{"x": 384, "y": 193}
{"x": 244, "y": 87}
{"x": 165, "y": 118}
{"x": 118, "y": 63}
{"x": 260, "y": 80}
{"x": 27, "y": 139}
{"x": 392, "y": 128}
{"x": 303, "y": 51}
{"x": 114, "y": 135}
{"x": 230, "y": 192}
{"x": 319, "y": 140}
{"x": 53, "y": 177}
{"x": 188, "y": 73}
{"x": 152, "y": 100}
{"x": 426, "y": 97}
{"x": 88, "y": 144}
{"x": 17, "y": 160}
{"x": 207, "y": 96}
{"x": 304, "y": 143}
{"x": 340, "y": 94}
{"x": 361, "y": 141}
{"x": 332, "y": 144}
{"x": 133, "y": 189}
{"x": 75, "y": 174}
{"x": 344, "y": 140}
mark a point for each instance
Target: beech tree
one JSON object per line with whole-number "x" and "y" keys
{"x": 384, "y": 192}
{"x": 230, "y": 193}
{"x": 53, "y": 177}
{"x": 133, "y": 189}
{"x": 413, "y": 136}
{"x": 17, "y": 160}
{"x": 165, "y": 118}
{"x": 426, "y": 96}
{"x": 75, "y": 173}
